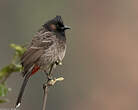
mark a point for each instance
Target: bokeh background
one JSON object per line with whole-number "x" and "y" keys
{"x": 101, "y": 64}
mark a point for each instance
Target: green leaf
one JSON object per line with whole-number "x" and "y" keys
{"x": 5, "y": 70}
{"x": 19, "y": 49}
{"x": 10, "y": 69}
{"x": 3, "y": 90}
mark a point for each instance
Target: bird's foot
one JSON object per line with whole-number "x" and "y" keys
{"x": 51, "y": 82}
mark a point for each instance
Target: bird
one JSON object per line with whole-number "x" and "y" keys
{"x": 46, "y": 50}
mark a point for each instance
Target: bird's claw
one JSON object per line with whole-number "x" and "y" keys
{"x": 54, "y": 80}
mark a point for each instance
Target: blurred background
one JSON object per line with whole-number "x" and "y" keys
{"x": 101, "y": 63}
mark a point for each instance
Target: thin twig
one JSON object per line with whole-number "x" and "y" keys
{"x": 50, "y": 82}
{"x": 45, "y": 96}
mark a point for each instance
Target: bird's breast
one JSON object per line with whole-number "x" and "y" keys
{"x": 61, "y": 52}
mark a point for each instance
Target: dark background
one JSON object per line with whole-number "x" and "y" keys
{"x": 101, "y": 64}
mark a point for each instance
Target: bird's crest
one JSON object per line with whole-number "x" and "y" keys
{"x": 58, "y": 19}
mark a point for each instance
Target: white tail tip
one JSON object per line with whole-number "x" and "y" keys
{"x": 18, "y": 105}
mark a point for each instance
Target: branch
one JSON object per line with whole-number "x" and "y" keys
{"x": 49, "y": 82}
{"x": 7, "y": 70}
{"x": 45, "y": 96}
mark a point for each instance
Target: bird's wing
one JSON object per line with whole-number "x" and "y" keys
{"x": 39, "y": 44}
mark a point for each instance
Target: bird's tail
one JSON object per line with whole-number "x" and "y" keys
{"x": 22, "y": 90}
{"x": 27, "y": 76}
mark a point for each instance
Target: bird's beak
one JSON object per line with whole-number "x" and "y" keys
{"x": 66, "y": 27}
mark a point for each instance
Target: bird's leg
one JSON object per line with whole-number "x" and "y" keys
{"x": 49, "y": 75}
{"x": 46, "y": 73}
{"x": 50, "y": 71}
{"x": 58, "y": 62}
{"x": 51, "y": 81}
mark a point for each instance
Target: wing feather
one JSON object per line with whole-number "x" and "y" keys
{"x": 39, "y": 44}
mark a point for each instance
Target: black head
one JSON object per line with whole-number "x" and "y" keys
{"x": 56, "y": 25}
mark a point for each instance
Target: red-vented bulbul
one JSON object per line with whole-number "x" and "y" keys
{"x": 46, "y": 50}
